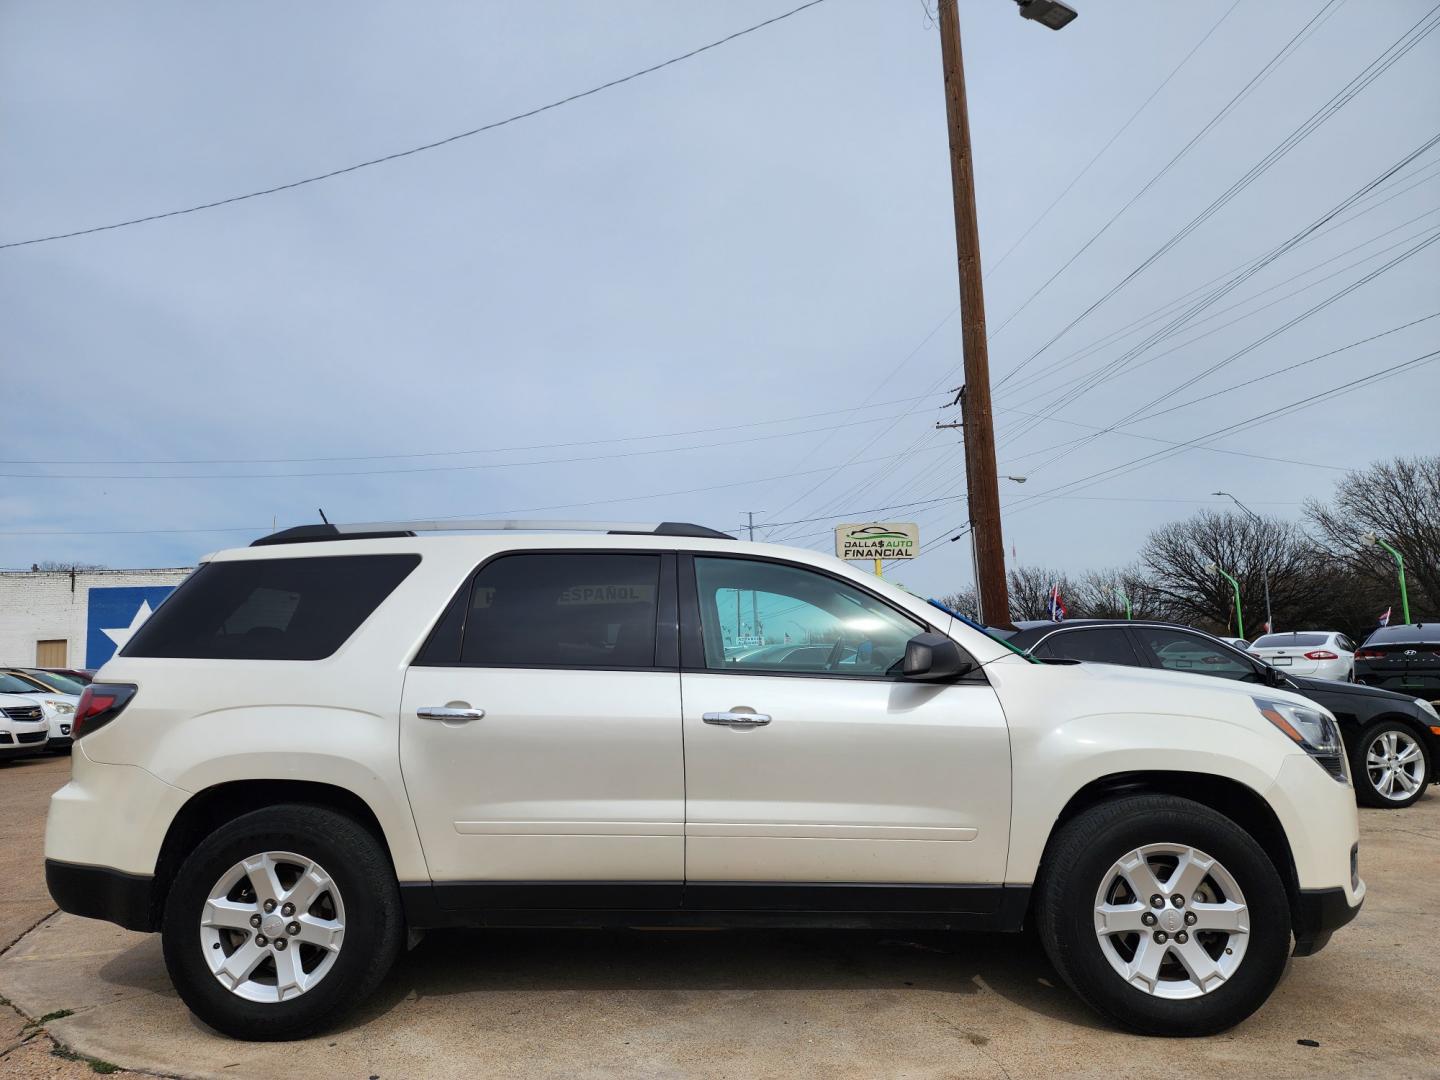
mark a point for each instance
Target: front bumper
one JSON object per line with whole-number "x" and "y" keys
{"x": 97, "y": 892}
{"x": 10, "y": 751}
{"x": 1318, "y": 913}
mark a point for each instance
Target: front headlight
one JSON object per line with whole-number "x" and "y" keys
{"x": 65, "y": 708}
{"x": 1312, "y": 729}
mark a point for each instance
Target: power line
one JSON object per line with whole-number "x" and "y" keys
{"x": 424, "y": 146}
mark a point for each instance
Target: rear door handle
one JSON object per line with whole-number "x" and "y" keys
{"x": 737, "y": 719}
{"x": 446, "y": 712}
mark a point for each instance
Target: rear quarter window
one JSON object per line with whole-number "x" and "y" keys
{"x": 270, "y": 609}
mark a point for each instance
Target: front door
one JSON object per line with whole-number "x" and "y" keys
{"x": 807, "y": 758}
{"x": 540, "y": 735}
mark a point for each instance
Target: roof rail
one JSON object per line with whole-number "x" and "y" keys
{"x": 375, "y": 530}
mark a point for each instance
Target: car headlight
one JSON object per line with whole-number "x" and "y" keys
{"x": 63, "y": 707}
{"x": 1312, "y": 729}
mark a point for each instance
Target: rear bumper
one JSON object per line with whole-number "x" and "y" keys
{"x": 97, "y": 892}
{"x": 1318, "y": 914}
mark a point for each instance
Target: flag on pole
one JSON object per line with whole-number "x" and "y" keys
{"x": 1056, "y": 606}
{"x": 1266, "y": 626}
{"x": 1385, "y": 617}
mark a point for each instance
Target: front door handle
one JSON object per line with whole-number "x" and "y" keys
{"x": 736, "y": 718}
{"x": 448, "y": 712}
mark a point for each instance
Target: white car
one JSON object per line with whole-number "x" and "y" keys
{"x": 23, "y": 727}
{"x": 342, "y": 734}
{"x": 1315, "y": 654}
{"x": 57, "y": 705}
{"x": 1237, "y": 642}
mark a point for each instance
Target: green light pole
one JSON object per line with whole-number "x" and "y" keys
{"x": 1239, "y": 618}
{"x": 1371, "y": 538}
{"x": 1124, "y": 600}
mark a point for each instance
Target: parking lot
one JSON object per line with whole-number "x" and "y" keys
{"x": 726, "y": 1004}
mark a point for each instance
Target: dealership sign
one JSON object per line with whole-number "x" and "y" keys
{"x": 877, "y": 540}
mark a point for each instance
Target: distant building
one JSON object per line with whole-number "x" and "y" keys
{"x": 63, "y": 618}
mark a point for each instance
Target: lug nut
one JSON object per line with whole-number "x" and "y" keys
{"x": 1148, "y": 918}
{"x": 280, "y": 944}
{"x": 1190, "y": 918}
{"x": 1161, "y": 937}
{"x": 269, "y": 906}
{"x": 261, "y": 940}
{"x": 288, "y": 910}
{"x": 293, "y": 928}
{"x": 1178, "y": 900}
{"x": 1181, "y": 937}
{"x": 1157, "y": 900}
{"x": 255, "y": 921}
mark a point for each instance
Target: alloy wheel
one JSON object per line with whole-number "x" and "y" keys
{"x": 272, "y": 926}
{"x": 1171, "y": 921}
{"x": 1395, "y": 765}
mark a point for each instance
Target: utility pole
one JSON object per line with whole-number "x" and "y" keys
{"x": 754, "y": 600}
{"x": 981, "y": 480}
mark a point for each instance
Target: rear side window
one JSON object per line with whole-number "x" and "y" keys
{"x": 270, "y": 609}
{"x": 553, "y": 610}
{"x": 1100, "y": 646}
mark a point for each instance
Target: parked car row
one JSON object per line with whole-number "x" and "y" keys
{"x": 37, "y": 696}
{"x": 1392, "y": 738}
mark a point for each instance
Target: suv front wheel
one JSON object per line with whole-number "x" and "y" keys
{"x": 281, "y": 920}
{"x": 1163, "y": 915}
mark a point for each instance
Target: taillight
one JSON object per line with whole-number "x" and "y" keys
{"x": 99, "y": 704}
{"x": 1322, "y": 654}
{"x": 1369, "y": 654}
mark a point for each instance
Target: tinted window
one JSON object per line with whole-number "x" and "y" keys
{"x": 61, "y": 683}
{"x": 1281, "y": 641}
{"x": 762, "y": 616}
{"x": 1177, "y": 650}
{"x": 579, "y": 610}
{"x": 18, "y": 684}
{"x": 270, "y": 609}
{"x": 1426, "y": 632}
{"x": 1103, "y": 645}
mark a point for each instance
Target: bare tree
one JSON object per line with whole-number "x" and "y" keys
{"x": 1399, "y": 501}
{"x": 53, "y": 566}
{"x": 1101, "y": 594}
{"x": 1030, "y": 591}
{"x": 963, "y": 602}
{"x": 1179, "y": 556}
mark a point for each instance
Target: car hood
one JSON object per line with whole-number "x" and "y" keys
{"x": 1328, "y": 686}
{"x": 11, "y": 701}
{"x": 1187, "y": 692}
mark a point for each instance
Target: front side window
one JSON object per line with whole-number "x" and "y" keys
{"x": 1103, "y": 645}
{"x": 270, "y": 609}
{"x": 769, "y": 617}
{"x": 564, "y": 610}
{"x": 1179, "y": 651}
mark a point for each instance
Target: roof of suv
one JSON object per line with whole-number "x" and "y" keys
{"x": 379, "y": 530}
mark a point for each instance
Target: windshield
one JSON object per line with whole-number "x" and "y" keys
{"x": 993, "y": 635}
{"x": 18, "y": 684}
{"x": 61, "y": 684}
{"x": 1280, "y": 641}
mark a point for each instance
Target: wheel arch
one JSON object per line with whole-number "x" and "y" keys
{"x": 1241, "y": 804}
{"x": 219, "y": 804}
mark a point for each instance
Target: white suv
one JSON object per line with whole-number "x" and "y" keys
{"x": 341, "y": 734}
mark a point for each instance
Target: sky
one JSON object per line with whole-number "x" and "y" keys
{"x": 725, "y": 287}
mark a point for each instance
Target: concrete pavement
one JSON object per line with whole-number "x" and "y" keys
{"x": 774, "y": 1004}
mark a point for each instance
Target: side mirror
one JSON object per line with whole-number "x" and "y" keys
{"x": 933, "y": 658}
{"x": 1272, "y": 676}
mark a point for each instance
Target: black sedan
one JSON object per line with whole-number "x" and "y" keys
{"x": 1393, "y": 739}
{"x": 1404, "y": 658}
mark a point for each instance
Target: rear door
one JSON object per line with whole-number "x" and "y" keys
{"x": 816, "y": 773}
{"x": 540, "y": 735}
{"x": 1183, "y": 650}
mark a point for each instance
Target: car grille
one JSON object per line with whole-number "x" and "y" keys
{"x": 23, "y": 712}
{"x": 31, "y": 736}
{"x": 6, "y": 739}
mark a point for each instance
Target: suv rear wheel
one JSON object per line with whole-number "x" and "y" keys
{"x": 280, "y": 921}
{"x": 1163, "y": 915}
{"x": 1390, "y": 765}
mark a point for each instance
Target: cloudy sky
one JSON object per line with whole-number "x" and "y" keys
{"x": 727, "y": 286}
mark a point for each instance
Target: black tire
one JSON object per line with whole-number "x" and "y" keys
{"x": 374, "y": 921}
{"x": 1366, "y": 794}
{"x": 1081, "y": 855}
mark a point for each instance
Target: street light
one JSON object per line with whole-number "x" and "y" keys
{"x": 1018, "y": 479}
{"x": 1371, "y": 538}
{"x": 1214, "y": 568}
{"x": 1124, "y": 600}
{"x": 1264, "y": 570}
{"x": 1049, "y": 13}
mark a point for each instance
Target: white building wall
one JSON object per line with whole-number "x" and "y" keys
{"x": 48, "y": 605}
